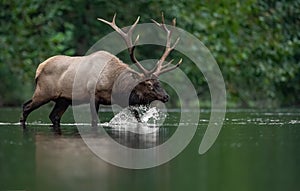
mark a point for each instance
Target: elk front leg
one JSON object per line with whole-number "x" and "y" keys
{"x": 94, "y": 107}
{"x": 60, "y": 107}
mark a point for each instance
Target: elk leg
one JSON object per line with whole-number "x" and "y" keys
{"x": 28, "y": 107}
{"x": 25, "y": 113}
{"x": 97, "y": 110}
{"x": 94, "y": 107}
{"x": 59, "y": 109}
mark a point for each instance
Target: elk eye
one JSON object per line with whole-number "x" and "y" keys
{"x": 150, "y": 86}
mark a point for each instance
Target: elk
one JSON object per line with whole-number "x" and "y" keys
{"x": 55, "y": 77}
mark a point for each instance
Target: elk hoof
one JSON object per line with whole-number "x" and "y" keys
{"x": 57, "y": 130}
{"x": 22, "y": 123}
{"x": 94, "y": 124}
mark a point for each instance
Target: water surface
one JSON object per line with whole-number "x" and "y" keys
{"x": 256, "y": 150}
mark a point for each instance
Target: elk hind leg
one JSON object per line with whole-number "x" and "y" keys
{"x": 28, "y": 107}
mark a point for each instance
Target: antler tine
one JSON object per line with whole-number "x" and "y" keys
{"x": 107, "y": 22}
{"x": 113, "y": 25}
{"x": 127, "y": 37}
{"x": 162, "y": 24}
{"x": 160, "y": 68}
{"x": 170, "y": 68}
{"x": 175, "y": 43}
{"x": 158, "y": 24}
{"x": 136, "y": 40}
{"x": 169, "y": 63}
{"x": 174, "y": 22}
{"x": 134, "y": 24}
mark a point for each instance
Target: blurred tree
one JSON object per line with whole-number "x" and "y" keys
{"x": 31, "y": 31}
{"x": 255, "y": 42}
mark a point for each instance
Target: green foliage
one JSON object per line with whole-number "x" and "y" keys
{"x": 31, "y": 31}
{"x": 256, "y": 43}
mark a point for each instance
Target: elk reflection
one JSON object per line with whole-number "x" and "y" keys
{"x": 138, "y": 136}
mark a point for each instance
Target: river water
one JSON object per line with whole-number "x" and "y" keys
{"x": 255, "y": 150}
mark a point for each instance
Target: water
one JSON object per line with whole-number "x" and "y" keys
{"x": 256, "y": 150}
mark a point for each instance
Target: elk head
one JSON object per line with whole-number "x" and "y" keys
{"x": 148, "y": 88}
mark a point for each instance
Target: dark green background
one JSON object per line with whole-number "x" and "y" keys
{"x": 256, "y": 43}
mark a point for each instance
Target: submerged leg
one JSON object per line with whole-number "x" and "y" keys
{"x": 25, "y": 113}
{"x": 59, "y": 109}
{"x": 28, "y": 107}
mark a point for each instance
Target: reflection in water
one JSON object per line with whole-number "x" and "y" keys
{"x": 139, "y": 140}
{"x": 63, "y": 162}
{"x": 254, "y": 151}
{"x": 68, "y": 160}
{"x": 125, "y": 129}
{"x": 66, "y": 163}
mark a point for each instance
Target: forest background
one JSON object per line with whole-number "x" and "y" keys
{"x": 256, "y": 43}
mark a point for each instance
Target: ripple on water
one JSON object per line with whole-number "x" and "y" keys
{"x": 265, "y": 119}
{"x": 153, "y": 117}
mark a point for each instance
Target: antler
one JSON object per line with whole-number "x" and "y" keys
{"x": 128, "y": 40}
{"x": 160, "y": 68}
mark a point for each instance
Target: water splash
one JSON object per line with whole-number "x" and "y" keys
{"x": 152, "y": 114}
{"x": 151, "y": 119}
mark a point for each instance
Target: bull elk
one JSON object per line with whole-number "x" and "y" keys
{"x": 55, "y": 77}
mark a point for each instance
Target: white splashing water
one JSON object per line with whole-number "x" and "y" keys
{"x": 151, "y": 118}
{"x": 151, "y": 114}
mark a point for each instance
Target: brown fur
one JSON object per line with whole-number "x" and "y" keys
{"x": 55, "y": 76}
